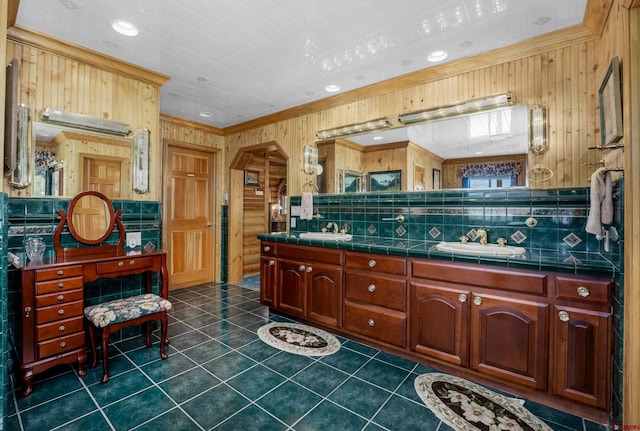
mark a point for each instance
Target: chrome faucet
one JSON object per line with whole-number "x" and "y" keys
{"x": 334, "y": 225}
{"x": 483, "y": 236}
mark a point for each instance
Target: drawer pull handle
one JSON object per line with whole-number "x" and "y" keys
{"x": 477, "y": 300}
{"x": 371, "y": 288}
{"x": 372, "y": 263}
{"x": 61, "y": 328}
{"x": 309, "y": 268}
{"x": 372, "y": 322}
{"x": 462, "y": 297}
{"x": 132, "y": 262}
{"x": 272, "y": 262}
{"x": 60, "y": 297}
{"x": 63, "y": 345}
{"x": 60, "y": 285}
{"x": 61, "y": 312}
{"x": 564, "y": 316}
{"x": 120, "y": 263}
{"x": 27, "y": 312}
{"x": 301, "y": 268}
{"x": 583, "y": 291}
{"x": 266, "y": 249}
{"x": 61, "y": 272}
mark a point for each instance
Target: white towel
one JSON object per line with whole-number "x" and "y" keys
{"x": 306, "y": 210}
{"x": 601, "y": 210}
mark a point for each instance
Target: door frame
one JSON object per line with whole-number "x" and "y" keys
{"x": 216, "y": 202}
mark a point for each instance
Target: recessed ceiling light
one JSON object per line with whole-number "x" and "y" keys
{"x": 206, "y": 114}
{"x": 438, "y": 56}
{"x": 332, "y": 88}
{"x": 125, "y": 28}
{"x": 378, "y": 138}
{"x": 477, "y": 153}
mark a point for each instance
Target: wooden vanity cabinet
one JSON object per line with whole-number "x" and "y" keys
{"x": 268, "y": 274}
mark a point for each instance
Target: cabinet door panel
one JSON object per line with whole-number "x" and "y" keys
{"x": 440, "y": 322}
{"x": 324, "y": 292}
{"x": 581, "y": 355}
{"x": 268, "y": 281}
{"x": 291, "y": 295}
{"x": 509, "y": 340}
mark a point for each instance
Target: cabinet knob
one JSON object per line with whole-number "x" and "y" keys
{"x": 272, "y": 262}
{"x": 61, "y": 328}
{"x": 60, "y": 285}
{"x": 63, "y": 345}
{"x": 583, "y": 291}
{"x": 266, "y": 249}
{"x": 371, "y": 288}
{"x": 61, "y": 272}
{"x": 477, "y": 300}
{"x": 462, "y": 297}
{"x": 60, "y": 297}
{"x": 301, "y": 268}
{"x": 372, "y": 263}
{"x": 61, "y": 312}
{"x": 309, "y": 268}
{"x": 27, "y": 312}
{"x": 563, "y": 316}
{"x": 132, "y": 262}
{"x": 120, "y": 263}
{"x": 372, "y": 322}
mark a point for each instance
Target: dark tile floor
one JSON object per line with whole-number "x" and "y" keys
{"x": 221, "y": 376}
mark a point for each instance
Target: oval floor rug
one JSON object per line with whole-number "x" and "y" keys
{"x": 298, "y": 338}
{"x": 464, "y": 405}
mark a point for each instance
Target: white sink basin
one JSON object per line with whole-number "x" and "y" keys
{"x": 328, "y": 236}
{"x": 480, "y": 250}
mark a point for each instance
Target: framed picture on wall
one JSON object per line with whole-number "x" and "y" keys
{"x": 610, "y": 106}
{"x": 436, "y": 179}
{"x": 385, "y": 181}
{"x": 251, "y": 178}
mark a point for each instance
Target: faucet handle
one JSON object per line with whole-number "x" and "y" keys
{"x": 502, "y": 242}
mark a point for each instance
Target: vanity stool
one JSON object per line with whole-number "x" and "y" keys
{"x": 114, "y": 315}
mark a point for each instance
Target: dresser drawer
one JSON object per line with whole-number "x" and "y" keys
{"x": 57, "y": 312}
{"x": 375, "y": 262}
{"x": 124, "y": 264}
{"x": 59, "y": 328}
{"x": 583, "y": 289}
{"x": 385, "y": 325}
{"x": 60, "y": 345}
{"x": 44, "y": 287}
{"x": 376, "y": 290}
{"x": 59, "y": 272}
{"x": 61, "y": 297}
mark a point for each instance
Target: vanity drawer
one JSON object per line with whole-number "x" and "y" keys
{"x": 376, "y": 290}
{"x": 596, "y": 290}
{"x": 313, "y": 254}
{"x": 381, "y": 324}
{"x": 60, "y": 345}
{"x": 59, "y": 297}
{"x": 59, "y": 272}
{"x": 375, "y": 262}
{"x": 57, "y": 312}
{"x": 59, "y": 328}
{"x": 59, "y": 285}
{"x": 124, "y": 264}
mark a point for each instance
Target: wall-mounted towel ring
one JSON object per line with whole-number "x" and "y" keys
{"x": 545, "y": 172}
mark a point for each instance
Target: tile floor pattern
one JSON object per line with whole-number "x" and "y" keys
{"x": 221, "y": 376}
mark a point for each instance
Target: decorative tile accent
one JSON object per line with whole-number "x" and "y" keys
{"x": 371, "y": 229}
{"x": 572, "y": 259}
{"x": 434, "y": 232}
{"x": 401, "y": 230}
{"x": 572, "y": 240}
{"x": 472, "y": 235}
{"x": 518, "y": 237}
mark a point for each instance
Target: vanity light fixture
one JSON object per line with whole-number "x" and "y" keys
{"x": 538, "y": 130}
{"x": 140, "y": 166}
{"x": 449, "y": 111}
{"x": 353, "y": 129}
{"x": 81, "y": 121}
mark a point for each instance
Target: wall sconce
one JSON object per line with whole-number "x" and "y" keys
{"x": 310, "y": 160}
{"x": 140, "y": 166}
{"x": 468, "y": 107}
{"x": 353, "y": 129}
{"x": 81, "y": 121}
{"x": 538, "y": 130}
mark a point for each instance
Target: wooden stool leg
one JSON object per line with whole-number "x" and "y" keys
{"x": 148, "y": 330}
{"x": 163, "y": 334}
{"x": 105, "y": 354}
{"x": 94, "y": 352}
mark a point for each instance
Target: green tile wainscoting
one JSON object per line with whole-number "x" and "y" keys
{"x": 446, "y": 215}
{"x": 4, "y": 345}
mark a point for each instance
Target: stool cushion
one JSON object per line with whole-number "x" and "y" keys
{"x": 120, "y": 310}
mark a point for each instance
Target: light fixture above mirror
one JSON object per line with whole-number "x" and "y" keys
{"x": 353, "y": 129}
{"x": 450, "y": 111}
{"x": 87, "y": 122}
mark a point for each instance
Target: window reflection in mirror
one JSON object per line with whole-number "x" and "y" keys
{"x": 461, "y": 148}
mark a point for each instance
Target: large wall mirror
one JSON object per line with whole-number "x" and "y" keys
{"x": 69, "y": 161}
{"x": 486, "y": 149}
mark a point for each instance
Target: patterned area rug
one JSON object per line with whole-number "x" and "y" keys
{"x": 464, "y": 405}
{"x": 299, "y": 339}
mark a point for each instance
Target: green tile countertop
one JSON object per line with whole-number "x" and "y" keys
{"x": 536, "y": 259}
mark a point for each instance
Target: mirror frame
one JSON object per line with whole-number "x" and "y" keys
{"x": 109, "y": 214}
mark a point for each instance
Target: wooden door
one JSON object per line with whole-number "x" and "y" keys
{"x": 189, "y": 199}
{"x": 324, "y": 290}
{"x": 291, "y": 294}
{"x": 102, "y": 175}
